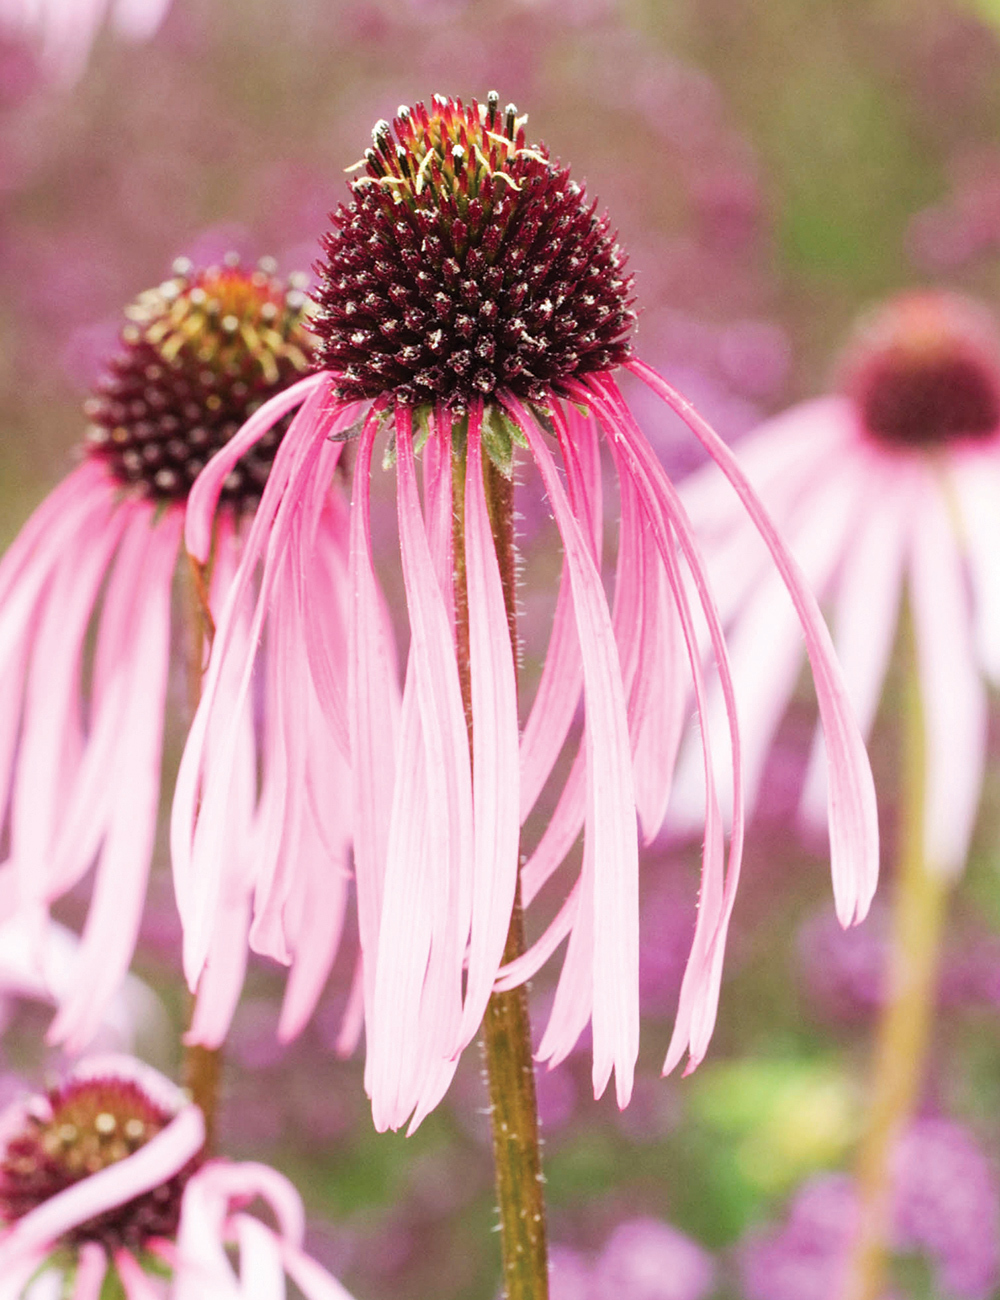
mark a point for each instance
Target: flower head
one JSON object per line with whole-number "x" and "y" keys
{"x": 891, "y": 482}
{"x": 467, "y": 264}
{"x": 106, "y": 1174}
{"x": 474, "y": 305}
{"x": 81, "y": 735}
{"x": 95, "y": 1169}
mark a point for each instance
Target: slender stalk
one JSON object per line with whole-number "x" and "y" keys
{"x": 202, "y": 1066}
{"x": 506, "y": 1040}
{"x": 919, "y": 909}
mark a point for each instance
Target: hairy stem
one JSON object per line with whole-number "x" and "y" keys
{"x": 202, "y": 1066}
{"x": 506, "y": 1040}
{"x": 919, "y": 908}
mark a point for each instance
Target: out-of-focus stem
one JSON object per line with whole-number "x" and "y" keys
{"x": 919, "y": 908}
{"x": 202, "y": 1066}
{"x": 506, "y": 1038}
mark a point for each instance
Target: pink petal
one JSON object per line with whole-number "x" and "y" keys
{"x": 203, "y": 498}
{"x": 50, "y": 735}
{"x": 440, "y": 780}
{"x": 262, "y": 1276}
{"x": 765, "y": 645}
{"x": 494, "y": 745}
{"x": 952, "y": 695}
{"x": 373, "y": 716}
{"x": 573, "y": 1004}
{"x": 977, "y": 483}
{"x": 91, "y": 1266}
{"x": 316, "y": 922}
{"x": 560, "y": 834}
{"x": 852, "y": 810}
{"x": 313, "y": 1281}
{"x": 136, "y": 1283}
{"x": 112, "y": 924}
{"x": 664, "y": 512}
{"x": 866, "y": 613}
{"x": 221, "y": 981}
{"x": 523, "y": 968}
{"x": 199, "y": 857}
{"x": 558, "y": 694}
{"x": 611, "y": 824}
{"x": 18, "y": 1272}
{"x": 153, "y": 1164}
{"x": 89, "y": 804}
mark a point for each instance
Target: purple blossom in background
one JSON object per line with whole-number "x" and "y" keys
{"x": 946, "y": 1206}
{"x": 645, "y": 1259}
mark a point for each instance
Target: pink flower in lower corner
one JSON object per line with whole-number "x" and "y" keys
{"x": 66, "y": 29}
{"x": 105, "y": 1174}
{"x": 476, "y": 307}
{"x": 93, "y": 570}
{"x": 890, "y": 486}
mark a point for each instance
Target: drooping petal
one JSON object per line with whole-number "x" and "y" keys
{"x": 951, "y": 690}
{"x": 198, "y": 839}
{"x": 866, "y": 612}
{"x": 112, "y": 924}
{"x": 611, "y": 821}
{"x": 852, "y": 811}
{"x": 765, "y": 641}
{"x": 203, "y": 499}
{"x": 495, "y": 740}
{"x": 312, "y": 1279}
{"x": 262, "y": 1275}
{"x": 665, "y": 516}
{"x": 50, "y": 732}
{"x": 976, "y": 481}
{"x": 221, "y": 981}
{"x": 558, "y": 693}
{"x": 91, "y": 1266}
{"x": 373, "y": 718}
{"x": 432, "y": 800}
{"x": 138, "y": 1285}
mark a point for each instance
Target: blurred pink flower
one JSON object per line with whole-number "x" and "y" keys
{"x": 500, "y": 349}
{"x": 81, "y": 735}
{"x": 66, "y": 29}
{"x": 92, "y": 1173}
{"x": 104, "y": 1174}
{"x": 895, "y": 481}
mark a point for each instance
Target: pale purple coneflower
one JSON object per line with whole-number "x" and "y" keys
{"x": 85, "y": 628}
{"x": 891, "y": 483}
{"x": 472, "y": 298}
{"x": 65, "y": 30}
{"x": 104, "y": 1176}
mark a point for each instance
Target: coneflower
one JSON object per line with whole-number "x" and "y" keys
{"x": 475, "y": 302}
{"x": 103, "y": 1181}
{"x": 81, "y": 733}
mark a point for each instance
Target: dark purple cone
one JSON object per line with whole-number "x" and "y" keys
{"x": 94, "y": 1123}
{"x": 925, "y": 370}
{"x": 467, "y": 263}
{"x": 200, "y": 353}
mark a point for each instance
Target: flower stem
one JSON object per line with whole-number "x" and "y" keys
{"x": 919, "y": 908}
{"x": 506, "y": 1040}
{"x": 202, "y": 1066}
